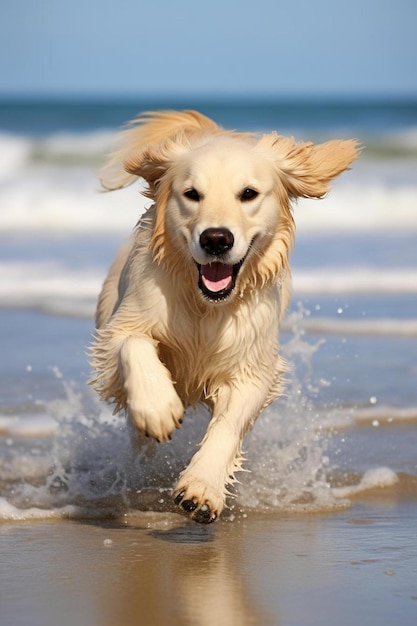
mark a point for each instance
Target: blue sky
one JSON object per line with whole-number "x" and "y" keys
{"x": 215, "y": 47}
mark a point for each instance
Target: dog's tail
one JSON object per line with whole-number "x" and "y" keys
{"x": 150, "y": 129}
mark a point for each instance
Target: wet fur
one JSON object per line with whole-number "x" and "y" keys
{"x": 160, "y": 345}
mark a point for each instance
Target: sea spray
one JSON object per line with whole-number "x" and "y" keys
{"x": 70, "y": 457}
{"x": 92, "y": 461}
{"x": 287, "y": 448}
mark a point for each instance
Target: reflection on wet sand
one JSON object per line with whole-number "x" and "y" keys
{"x": 183, "y": 575}
{"x": 353, "y": 567}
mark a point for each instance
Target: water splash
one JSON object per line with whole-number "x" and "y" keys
{"x": 90, "y": 464}
{"x": 287, "y": 448}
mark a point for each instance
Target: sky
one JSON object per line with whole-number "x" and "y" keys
{"x": 208, "y": 47}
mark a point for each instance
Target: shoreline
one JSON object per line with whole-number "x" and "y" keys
{"x": 349, "y": 567}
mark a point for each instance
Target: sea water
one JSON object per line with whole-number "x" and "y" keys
{"x": 347, "y": 422}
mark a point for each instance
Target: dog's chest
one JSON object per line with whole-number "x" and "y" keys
{"x": 199, "y": 361}
{"x": 201, "y": 343}
{"x": 202, "y": 353}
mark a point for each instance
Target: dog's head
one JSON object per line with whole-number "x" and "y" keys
{"x": 223, "y": 213}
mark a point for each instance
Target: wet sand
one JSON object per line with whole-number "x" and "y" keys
{"x": 352, "y": 567}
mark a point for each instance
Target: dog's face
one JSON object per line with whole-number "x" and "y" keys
{"x": 222, "y": 199}
{"x": 222, "y": 209}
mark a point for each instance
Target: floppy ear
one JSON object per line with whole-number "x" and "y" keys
{"x": 305, "y": 169}
{"x": 148, "y": 142}
{"x": 149, "y": 162}
{"x": 152, "y": 163}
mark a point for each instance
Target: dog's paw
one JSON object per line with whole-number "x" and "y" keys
{"x": 199, "y": 500}
{"x": 157, "y": 415}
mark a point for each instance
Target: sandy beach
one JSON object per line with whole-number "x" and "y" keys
{"x": 353, "y": 567}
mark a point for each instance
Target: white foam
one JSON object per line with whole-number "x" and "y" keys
{"x": 337, "y": 419}
{"x": 366, "y": 327}
{"x": 377, "y": 478}
{"x": 73, "y": 202}
{"x": 57, "y": 287}
{"x": 50, "y": 287}
{"x": 51, "y": 184}
{"x": 355, "y": 279}
{"x": 9, "y": 512}
{"x": 14, "y": 154}
{"x": 381, "y": 414}
{"x": 369, "y": 207}
{"x": 28, "y": 281}
{"x": 70, "y": 146}
{"x": 58, "y": 200}
{"x": 28, "y": 426}
{"x": 400, "y": 139}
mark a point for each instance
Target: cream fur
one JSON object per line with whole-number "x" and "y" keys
{"x": 161, "y": 345}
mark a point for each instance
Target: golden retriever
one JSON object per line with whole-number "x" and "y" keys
{"x": 191, "y": 308}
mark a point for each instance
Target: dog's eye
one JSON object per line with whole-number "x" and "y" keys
{"x": 192, "y": 194}
{"x": 248, "y": 194}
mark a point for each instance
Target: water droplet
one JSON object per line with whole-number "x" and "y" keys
{"x": 373, "y": 400}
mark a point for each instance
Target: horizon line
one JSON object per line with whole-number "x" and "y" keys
{"x": 232, "y": 97}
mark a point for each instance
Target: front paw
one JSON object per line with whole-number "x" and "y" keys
{"x": 199, "y": 500}
{"x": 159, "y": 415}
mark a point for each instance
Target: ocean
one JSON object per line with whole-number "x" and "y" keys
{"x": 347, "y": 423}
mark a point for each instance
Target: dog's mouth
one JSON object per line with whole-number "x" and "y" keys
{"x": 217, "y": 280}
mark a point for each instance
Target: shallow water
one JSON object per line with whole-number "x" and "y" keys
{"x": 346, "y": 424}
{"x": 341, "y": 424}
{"x": 352, "y": 567}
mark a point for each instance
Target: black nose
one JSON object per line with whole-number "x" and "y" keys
{"x": 216, "y": 241}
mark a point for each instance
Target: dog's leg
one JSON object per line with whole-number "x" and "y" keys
{"x": 153, "y": 404}
{"x": 201, "y": 490}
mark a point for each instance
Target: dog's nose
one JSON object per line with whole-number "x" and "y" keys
{"x": 216, "y": 241}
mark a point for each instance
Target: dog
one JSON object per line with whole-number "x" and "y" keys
{"x": 191, "y": 307}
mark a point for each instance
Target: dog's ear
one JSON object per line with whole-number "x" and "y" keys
{"x": 149, "y": 143}
{"x": 305, "y": 169}
{"x": 153, "y": 162}
{"x": 149, "y": 162}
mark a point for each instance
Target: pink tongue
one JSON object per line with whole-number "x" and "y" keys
{"x": 217, "y": 276}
